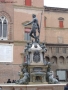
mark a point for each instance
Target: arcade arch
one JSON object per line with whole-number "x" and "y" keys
{"x": 61, "y": 60}
{"x": 67, "y": 59}
{"x": 54, "y": 60}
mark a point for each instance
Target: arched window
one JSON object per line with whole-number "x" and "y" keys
{"x": 54, "y": 60}
{"x": 3, "y": 28}
{"x": 47, "y": 58}
{"x": 27, "y": 30}
{"x": 61, "y": 20}
{"x": 67, "y": 60}
{"x": 61, "y": 60}
{"x": 26, "y": 34}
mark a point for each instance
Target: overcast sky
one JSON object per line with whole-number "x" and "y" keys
{"x": 56, "y": 3}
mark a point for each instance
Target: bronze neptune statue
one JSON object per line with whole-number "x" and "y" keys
{"x": 35, "y": 26}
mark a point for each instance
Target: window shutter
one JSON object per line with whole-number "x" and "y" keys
{"x": 28, "y": 2}
{"x": 4, "y": 28}
{"x": 61, "y": 24}
{"x": 26, "y": 34}
{"x": 27, "y": 30}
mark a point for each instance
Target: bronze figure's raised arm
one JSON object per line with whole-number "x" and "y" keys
{"x": 35, "y": 26}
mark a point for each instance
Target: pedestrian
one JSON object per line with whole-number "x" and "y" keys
{"x": 0, "y": 88}
{"x": 66, "y": 87}
{"x": 13, "y": 81}
{"x": 9, "y": 81}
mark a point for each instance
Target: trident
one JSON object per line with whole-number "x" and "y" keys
{"x": 40, "y": 22}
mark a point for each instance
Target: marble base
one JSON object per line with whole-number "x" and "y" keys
{"x": 38, "y": 83}
{"x": 32, "y": 87}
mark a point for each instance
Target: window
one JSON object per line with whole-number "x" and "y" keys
{"x": 61, "y": 22}
{"x": 3, "y": 28}
{"x": 57, "y": 50}
{"x": 53, "y": 49}
{"x": 26, "y": 34}
{"x": 64, "y": 50}
{"x": 60, "y": 39}
{"x": 28, "y": 2}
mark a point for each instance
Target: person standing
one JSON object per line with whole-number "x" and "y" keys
{"x": 66, "y": 87}
{"x": 8, "y": 81}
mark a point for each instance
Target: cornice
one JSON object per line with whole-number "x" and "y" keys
{"x": 28, "y": 7}
{"x": 6, "y": 41}
{"x": 21, "y": 41}
{"x": 25, "y": 42}
{"x": 56, "y": 9}
{"x": 56, "y": 45}
{"x": 55, "y": 28}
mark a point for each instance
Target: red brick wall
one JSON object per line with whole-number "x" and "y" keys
{"x": 8, "y": 72}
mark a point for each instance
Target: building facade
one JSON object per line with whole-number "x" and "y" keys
{"x": 56, "y": 29}
{"x": 14, "y": 35}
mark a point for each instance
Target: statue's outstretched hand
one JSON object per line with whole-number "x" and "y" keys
{"x": 25, "y": 25}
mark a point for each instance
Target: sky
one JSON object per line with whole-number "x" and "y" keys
{"x": 56, "y": 3}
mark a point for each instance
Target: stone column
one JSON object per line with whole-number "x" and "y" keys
{"x": 30, "y": 78}
{"x": 33, "y": 78}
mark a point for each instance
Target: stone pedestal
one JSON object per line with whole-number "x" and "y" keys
{"x": 33, "y": 87}
{"x": 37, "y": 64}
{"x": 38, "y": 77}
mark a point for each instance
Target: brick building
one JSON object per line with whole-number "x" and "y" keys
{"x": 14, "y": 36}
{"x": 56, "y": 38}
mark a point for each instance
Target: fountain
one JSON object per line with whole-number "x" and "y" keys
{"x": 35, "y": 68}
